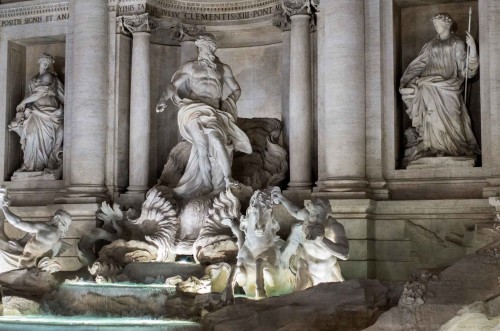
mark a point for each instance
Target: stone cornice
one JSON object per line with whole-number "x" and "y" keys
{"x": 33, "y": 12}
{"x": 184, "y": 11}
{"x": 32, "y": 8}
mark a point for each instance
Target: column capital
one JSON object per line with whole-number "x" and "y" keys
{"x": 139, "y": 23}
{"x": 300, "y": 7}
{"x": 185, "y": 32}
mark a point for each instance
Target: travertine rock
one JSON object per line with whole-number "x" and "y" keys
{"x": 346, "y": 306}
{"x": 266, "y": 166}
{"x": 434, "y": 302}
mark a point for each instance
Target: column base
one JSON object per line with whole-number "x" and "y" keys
{"x": 379, "y": 191}
{"x": 298, "y": 191}
{"x": 83, "y": 194}
{"x": 135, "y": 196}
{"x": 344, "y": 188}
{"x": 493, "y": 189}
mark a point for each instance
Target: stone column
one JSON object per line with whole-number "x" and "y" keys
{"x": 342, "y": 148}
{"x": 300, "y": 116}
{"x": 90, "y": 101}
{"x": 282, "y": 21}
{"x": 140, "y": 103}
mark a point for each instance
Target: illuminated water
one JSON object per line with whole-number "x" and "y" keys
{"x": 83, "y": 323}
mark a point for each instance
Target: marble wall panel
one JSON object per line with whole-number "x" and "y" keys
{"x": 164, "y": 128}
{"x": 258, "y": 71}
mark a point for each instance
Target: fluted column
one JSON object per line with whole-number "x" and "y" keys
{"x": 140, "y": 102}
{"x": 90, "y": 100}
{"x": 300, "y": 112}
{"x": 343, "y": 149}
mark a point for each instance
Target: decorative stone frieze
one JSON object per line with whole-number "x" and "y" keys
{"x": 140, "y": 23}
{"x": 195, "y": 12}
{"x": 22, "y": 13}
{"x": 182, "y": 32}
{"x": 295, "y": 7}
{"x": 281, "y": 20}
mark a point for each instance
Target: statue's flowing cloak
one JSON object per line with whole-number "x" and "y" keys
{"x": 42, "y": 132}
{"x": 205, "y": 176}
{"x": 438, "y": 111}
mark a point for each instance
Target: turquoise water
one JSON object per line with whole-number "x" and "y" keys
{"x": 84, "y": 323}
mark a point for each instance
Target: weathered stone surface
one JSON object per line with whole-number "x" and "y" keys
{"x": 351, "y": 305}
{"x": 480, "y": 316}
{"x": 428, "y": 301}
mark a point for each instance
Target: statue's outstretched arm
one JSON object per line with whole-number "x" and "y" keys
{"x": 294, "y": 210}
{"x": 17, "y": 222}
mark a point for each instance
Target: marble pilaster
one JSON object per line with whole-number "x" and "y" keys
{"x": 300, "y": 111}
{"x": 342, "y": 147}
{"x": 90, "y": 100}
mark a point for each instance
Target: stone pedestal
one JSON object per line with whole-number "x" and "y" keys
{"x": 443, "y": 162}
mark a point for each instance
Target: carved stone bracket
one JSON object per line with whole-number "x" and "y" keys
{"x": 295, "y": 7}
{"x": 139, "y": 23}
{"x": 281, "y": 20}
{"x": 181, "y": 32}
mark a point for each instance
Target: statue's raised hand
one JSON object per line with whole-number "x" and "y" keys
{"x": 21, "y": 107}
{"x": 469, "y": 40}
{"x": 161, "y": 106}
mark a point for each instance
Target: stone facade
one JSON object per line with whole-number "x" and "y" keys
{"x": 331, "y": 74}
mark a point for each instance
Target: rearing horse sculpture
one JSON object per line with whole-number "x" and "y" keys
{"x": 261, "y": 269}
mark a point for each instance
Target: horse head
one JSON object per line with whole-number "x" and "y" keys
{"x": 258, "y": 220}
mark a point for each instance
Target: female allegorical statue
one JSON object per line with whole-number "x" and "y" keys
{"x": 431, "y": 88}
{"x": 39, "y": 123}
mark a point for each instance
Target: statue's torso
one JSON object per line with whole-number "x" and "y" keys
{"x": 206, "y": 84}
{"x": 442, "y": 58}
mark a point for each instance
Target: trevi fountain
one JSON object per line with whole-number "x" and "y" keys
{"x": 250, "y": 165}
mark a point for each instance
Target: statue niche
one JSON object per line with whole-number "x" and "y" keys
{"x": 39, "y": 124}
{"x": 218, "y": 148}
{"x": 431, "y": 87}
{"x": 206, "y": 120}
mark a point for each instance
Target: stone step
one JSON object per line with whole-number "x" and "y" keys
{"x": 87, "y": 323}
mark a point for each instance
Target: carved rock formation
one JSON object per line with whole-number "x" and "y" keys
{"x": 266, "y": 166}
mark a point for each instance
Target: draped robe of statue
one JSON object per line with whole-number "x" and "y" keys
{"x": 437, "y": 111}
{"x": 203, "y": 174}
{"x": 42, "y": 130}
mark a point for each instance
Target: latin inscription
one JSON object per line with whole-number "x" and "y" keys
{"x": 162, "y": 12}
{"x": 34, "y": 20}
